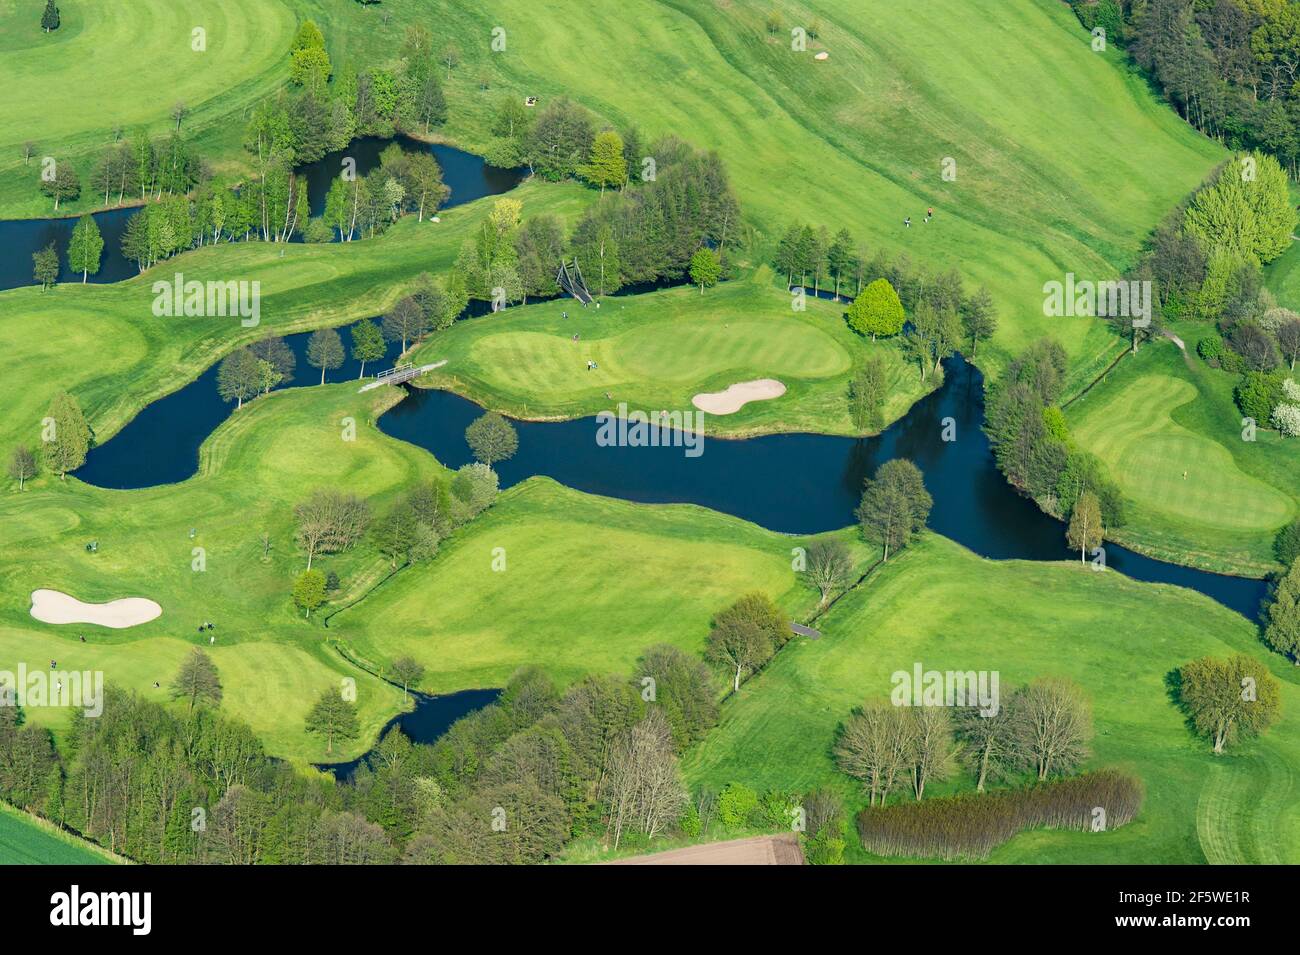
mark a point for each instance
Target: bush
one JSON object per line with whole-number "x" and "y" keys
{"x": 1211, "y": 349}
{"x": 1257, "y": 393}
{"x": 778, "y": 809}
{"x": 971, "y": 826}
{"x": 736, "y": 804}
{"x": 689, "y": 823}
{"x": 827, "y": 847}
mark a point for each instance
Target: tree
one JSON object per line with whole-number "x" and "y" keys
{"x": 1282, "y": 614}
{"x": 492, "y": 438}
{"x": 1051, "y": 726}
{"x": 309, "y": 591}
{"x": 62, "y": 183}
{"x": 827, "y": 566}
{"x": 407, "y": 671}
{"x": 1085, "y": 531}
{"x": 45, "y": 266}
{"x": 50, "y": 18}
{"x": 644, "y": 789}
{"x": 325, "y": 350}
{"x": 877, "y": 310}
{"x": 405, "y": 321}
{"x": 22, "y": 465}
{"x": 706, "y": 268}
{"x": 329, "y": 522}
{"x": 333, "y": 718}
{"x": 988, "y": 744}
{"x": 606, "y": 165}
{"x": 1229, "y": 699}
{"x": 746, "y": 634}
{"x": 197, "y": 681}
{"x": 451, "y": 56}
{"x": 895, "y": 505}
{"x": 1246, "y": 219}
{"x": 239, "y": 377}
{"x": 367, "y": 345}
{"x": 1288, "y": 339}
{"x": 1287, "y": 545}
{"x": 86, "y": 247}
{"x": 67, "y": 436}
{"x": 276, "y": 351}
{"x": 874, "y": 745}
{"x": 979, "y": 317}
{"x": 868, "y": 389}
{"x": 934, "y": 754}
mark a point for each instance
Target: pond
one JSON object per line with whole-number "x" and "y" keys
{"x": 432, "y": 716}
{"x": 808, "y": 483}
{"x": 468, "y": 176}
{"x": 792, "y": 483}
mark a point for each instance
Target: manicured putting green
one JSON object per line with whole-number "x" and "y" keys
{"x": 1165, "y": 467}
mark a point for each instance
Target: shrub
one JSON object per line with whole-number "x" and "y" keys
{"x": 1286, "y": 418}
{"x": 971, "y": 826}
{"x": 689, "y": 823}
{"x": 1257, "y": 393}
{"x": 778, "y": 808}
{"x": 1211, "y": 349}
{"x": 736, "y": 804}
{"x": 827, "y": 847}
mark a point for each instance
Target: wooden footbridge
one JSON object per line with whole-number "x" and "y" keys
{"x": 400, "y": 373}
{"x": 569, "y": 278}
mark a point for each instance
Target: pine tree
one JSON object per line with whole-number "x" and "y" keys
{"x": 50, "y": 18}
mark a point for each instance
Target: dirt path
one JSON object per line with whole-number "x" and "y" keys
{"x": 759, "y": 850}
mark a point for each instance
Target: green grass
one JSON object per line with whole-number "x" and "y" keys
{"x": 1012, "y": 91}
{"x": 254, "y": 468}
{"x": 127, "y": 65}
{"x": 943, "y": 606}
{"x": 25, "y": 840}
{"x": 1158, "y": 415}
{"x": 658, "y": 350}
{"x": 855, "y": 141}
{"x": 104, "y": 344}
{"x": 588, "y": 584}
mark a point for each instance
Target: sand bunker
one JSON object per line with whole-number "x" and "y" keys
{"x": 738, "y": 395}
{"x": 52, "y": 606}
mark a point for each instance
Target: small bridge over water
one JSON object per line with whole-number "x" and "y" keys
{"x": 569, "y": 278}
{"x": 399, "y": 374}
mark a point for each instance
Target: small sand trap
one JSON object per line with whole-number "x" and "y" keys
{"x": 738, "y": 395}
{"x": 52, "y": 606}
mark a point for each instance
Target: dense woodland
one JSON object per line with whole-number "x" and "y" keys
{"x": 1229, "y": 67}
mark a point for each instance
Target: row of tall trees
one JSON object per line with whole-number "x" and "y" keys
{"x": 1032, "y": 444}
{"x": 1043, "y": 728}
{"x": 1227, "y": 66}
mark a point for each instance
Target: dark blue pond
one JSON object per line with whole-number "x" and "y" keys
{"x": 807, "y": 483}
{"x": 160, "y": 445}
{"x": 468, "y": 176}
{"x": 432, "y": 716}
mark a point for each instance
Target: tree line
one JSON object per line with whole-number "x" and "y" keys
{"x": 1228, "y": 67}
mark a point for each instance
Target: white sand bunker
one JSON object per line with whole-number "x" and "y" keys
{"x": 738, "y": 395}
{"x": 52, "y": 606}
